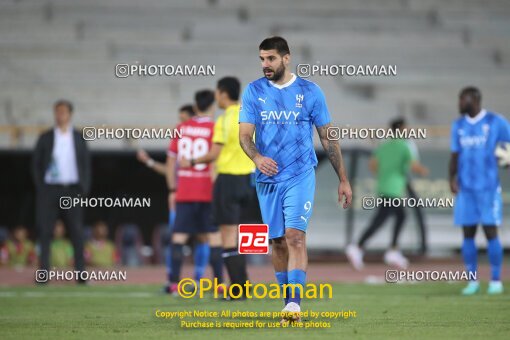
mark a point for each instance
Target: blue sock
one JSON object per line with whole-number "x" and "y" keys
{"x": 171, "y": 218}
{"x": 168, "y": 249}
{"x": 297, "y": 276}
{"x": 469, "y": 253}
{"x": 201, "y": 259}
{"x": 282, "y": 279}
{"x": 495, "y": 258}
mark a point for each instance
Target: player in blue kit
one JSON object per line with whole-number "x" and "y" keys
{"x": 280, "y": 109}
{"x": 474, "y": 179}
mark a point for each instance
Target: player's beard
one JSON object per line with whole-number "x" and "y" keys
{"x": 277, "y": 74}
{"x": 467, "y": 110}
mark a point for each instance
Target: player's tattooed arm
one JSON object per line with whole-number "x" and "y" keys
{"x": 334, "y": 153}
{"x": 266, "y": 165}
{"x": 246, "y": 140}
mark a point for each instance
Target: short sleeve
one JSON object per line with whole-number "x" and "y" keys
{"x": 247, "y": 113}
{"x": 320, "y": 113}
{"x": 503, "y": 130}
{"x": 454, "y": 139}
{"x": 219, "y": 131}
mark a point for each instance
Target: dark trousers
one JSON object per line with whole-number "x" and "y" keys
{"x": 380, "y": 217}
{"x": 48, "y": 211}
{"x": 419, "y": 217}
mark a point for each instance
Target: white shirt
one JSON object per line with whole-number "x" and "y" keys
{"x": 63, "y": 168}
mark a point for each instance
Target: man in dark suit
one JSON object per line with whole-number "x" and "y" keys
{"x": 60, "y": 168}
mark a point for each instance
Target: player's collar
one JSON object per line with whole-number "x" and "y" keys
{"x": 477, "y": 118}
{"x": 292, "y": 80}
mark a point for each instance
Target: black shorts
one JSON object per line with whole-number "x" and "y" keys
{"x": 235, "y": 200}
{"x": 193, "y": 218}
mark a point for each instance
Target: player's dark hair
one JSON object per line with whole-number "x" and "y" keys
{"x": 204, "y": 99}
{"x": 397, "y": 123}
{"x": 472, "y": 91}
{"x": 231, "y": 85}
{"x": 188, "y": 108}
{"x": 275, "y": 43}
{"x": 64, "y": 102}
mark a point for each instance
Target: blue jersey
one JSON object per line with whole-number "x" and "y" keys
{"x": 283, "y": 117}
{"x": 475, "y": 139}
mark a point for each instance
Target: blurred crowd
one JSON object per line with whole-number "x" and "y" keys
{"x": 18, "y": 248}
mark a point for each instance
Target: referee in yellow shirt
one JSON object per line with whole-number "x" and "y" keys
{"x": 234, "y": 197}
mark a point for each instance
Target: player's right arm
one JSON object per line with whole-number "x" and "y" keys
{"x": 266, "y": 165}
{"x": 247, "y": 120}
{"x": 452, "y": 175}
{"x": 454, "y": 158}
{"x": 143, "y": 157}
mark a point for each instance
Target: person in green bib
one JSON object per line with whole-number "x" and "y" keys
{"x": 100, "y": 251}
{"x": 62, "y": 252}
{"x": 391, "y": 163}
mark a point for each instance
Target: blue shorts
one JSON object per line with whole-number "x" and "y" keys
{"x": 287, "y": 204}
{"x": 478, "y": 207}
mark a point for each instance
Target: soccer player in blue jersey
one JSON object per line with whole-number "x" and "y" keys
{"x": 280, "y": 109}
{"x": 474, "y": 179}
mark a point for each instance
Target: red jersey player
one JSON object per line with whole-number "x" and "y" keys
{"x": 194, "y": 193}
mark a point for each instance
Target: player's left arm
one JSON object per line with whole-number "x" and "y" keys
{"x": 503, "y": 130}
{"x": 322, "y": 121}
{"x": 334, "y": 153}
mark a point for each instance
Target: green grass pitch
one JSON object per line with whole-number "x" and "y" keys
{"x": 415, "y": 311}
